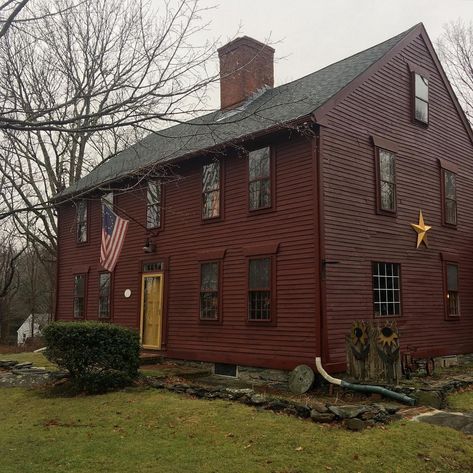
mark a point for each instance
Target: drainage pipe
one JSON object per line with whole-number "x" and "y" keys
{"x": 363, "y": 388}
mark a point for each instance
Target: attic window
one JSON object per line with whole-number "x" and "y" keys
{"x": 421, "y": 98}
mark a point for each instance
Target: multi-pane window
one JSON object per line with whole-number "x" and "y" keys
{"x": 453, "y": 301}
{"x": 104, "y": 295}
{"x": 153, "y": 204}
{"x": 259, "y": 179}
{"x": 259, "y": 289}
{"x": 387, "y": 180}
{"x": 386, "y": 289}
{"x": 79, "y": 296}
{"x": 450, "y": 197}
{"x": 211, "y": 190}
{"x": 81, "y": 221}
{"x": 421, "y": 98}
{"x": 209, "y": 282}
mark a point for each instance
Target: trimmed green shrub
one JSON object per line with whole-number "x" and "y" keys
{"x": 98, "y": 356}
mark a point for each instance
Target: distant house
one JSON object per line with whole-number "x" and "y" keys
{"x": 259, "y": 233}
{"x": 32, "y": 327}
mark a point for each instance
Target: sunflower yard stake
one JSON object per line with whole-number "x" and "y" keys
{"x": 373, "y": 352}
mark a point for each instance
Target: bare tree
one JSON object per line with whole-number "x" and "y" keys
{"x": 455, "y": 48}
{"x": 9, "y": 11}
{"x": 9, "y": 280}
{"x": 79, "y": 85}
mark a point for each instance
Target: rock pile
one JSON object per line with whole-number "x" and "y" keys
{"x": 353, "y": 417}
{"x": 15, "y": 374}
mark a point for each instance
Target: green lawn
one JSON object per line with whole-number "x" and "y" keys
{"x": 150, "y": 431}
{"x": 36, "y": 358}
{"x": 461, "y": 401}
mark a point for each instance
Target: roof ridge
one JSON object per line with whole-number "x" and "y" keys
{"x": 399, "y": 36}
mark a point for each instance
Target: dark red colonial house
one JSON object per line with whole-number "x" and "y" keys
{"x": 260, "y": 232}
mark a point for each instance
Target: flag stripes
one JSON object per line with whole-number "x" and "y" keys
{"x": 114, "y": 230}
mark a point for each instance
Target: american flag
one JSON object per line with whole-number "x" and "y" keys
{"x": 113, "y": 235}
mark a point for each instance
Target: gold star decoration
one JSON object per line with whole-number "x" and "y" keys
{"x": 421, "y": 228}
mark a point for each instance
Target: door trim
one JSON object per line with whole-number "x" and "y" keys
{"x": 161, "y": 295}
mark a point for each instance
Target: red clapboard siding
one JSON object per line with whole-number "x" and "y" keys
{"x": 355, "y": 235}
{"x": 292, "y": 340}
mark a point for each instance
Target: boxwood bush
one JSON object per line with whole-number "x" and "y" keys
{"x": 98, "y": 356}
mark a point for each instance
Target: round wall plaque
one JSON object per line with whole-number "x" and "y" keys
{"x": 127, "y": 293}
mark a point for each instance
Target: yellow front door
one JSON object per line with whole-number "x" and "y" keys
{"x": 151, "y": 310}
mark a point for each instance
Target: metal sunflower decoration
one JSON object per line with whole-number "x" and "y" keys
{"x": 388, "y": 335}
{"x": 359, "y": 333}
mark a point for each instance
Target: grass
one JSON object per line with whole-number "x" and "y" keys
{"x": 462, "y": 400}
{"x": 149, "y": 430}
{"x": 36, "y": 358}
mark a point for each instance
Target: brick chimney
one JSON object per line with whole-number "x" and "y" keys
{"x": 246, "y": 65}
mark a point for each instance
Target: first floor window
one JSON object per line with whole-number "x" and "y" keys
{"x": 259, "y": 289}
{"x": 153, "y": 205}
{"x": 81, "y": 221}
{"x": 386, "y": 289}
{"x": 79, "y": 296}
{"x": 259, "y": 179}
{"x": 209, "y": 288}
{"x": 453, "y": 301}
{"x": 104, "y": 295}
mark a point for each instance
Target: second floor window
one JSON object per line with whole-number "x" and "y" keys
{"x": 421, "y": 98}
{"x": 153, "y": 205}
{"x": 449, "y": 197}
{"x": 79, "y": 296}
{"x": 105, "y": 280}
{"x": 211, "y": 190}
{"x": 386, "y": 180}
{"x": 259, "y": 179}
{"x": 81, "y": 221}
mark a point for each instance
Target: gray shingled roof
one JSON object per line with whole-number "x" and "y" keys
{"x": 283, "y": 104}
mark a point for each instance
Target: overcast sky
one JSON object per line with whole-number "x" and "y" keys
{"x": 311, "y": 34}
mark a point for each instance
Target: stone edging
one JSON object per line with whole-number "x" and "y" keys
{"x": 353, "y": 417}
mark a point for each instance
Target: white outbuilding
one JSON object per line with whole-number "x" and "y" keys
{"x": 32, "y": 327}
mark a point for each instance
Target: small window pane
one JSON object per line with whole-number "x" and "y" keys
{"x": 209, "y": 273}
{"x": 81, "y": 217}
{"x": 79, "y": 296}
{"x": 211, "y": 190}
{"x": 104, "y": 295}
{"x": 259, "y": 305}
{"x": 386, "y": 165}
{"x": 153, "y": 205}
{"x": 260, "y": 273}
{"x": 211, "y": 177}
{"x": 259, "y": 163}
{"x": 209, "y": 276}
{"x": 450, "y": 189}
{"x": 388, "y": 196}
{"x": 211, "y": 204}
{"x": 422, "y": 111}
{"x": 452, "y": 277}
{"x": 422, "y": 87}
{"x": 260, "y": 194}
